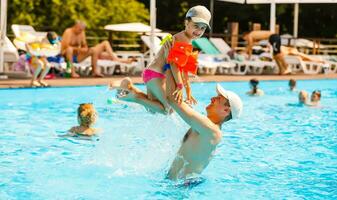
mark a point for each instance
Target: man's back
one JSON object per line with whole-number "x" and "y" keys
{"x": 194, "y": 154}
{"x": 260, "y": 35}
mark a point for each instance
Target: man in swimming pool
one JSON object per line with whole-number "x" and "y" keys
{"x": 201, "y": 139}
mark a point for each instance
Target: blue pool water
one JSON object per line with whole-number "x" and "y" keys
{"x": 275, "y": 151}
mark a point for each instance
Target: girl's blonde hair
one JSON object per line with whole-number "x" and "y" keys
{"x": 86, "y": 114}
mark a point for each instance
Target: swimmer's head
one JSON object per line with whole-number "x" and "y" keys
{"x": 253, "y": 85}
{"x": 254, "y": 82}
{"x": 292, "y": 84}
{"x": 316, "y": 96}
{"x": 86, "y": 114}
{"x": 302, "y": 96}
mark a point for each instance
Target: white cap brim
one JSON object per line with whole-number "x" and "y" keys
{"x": 234, "y": 101}
{"x": 200, "y": 20}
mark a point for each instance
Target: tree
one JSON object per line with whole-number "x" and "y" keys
{"x": 57, "y": 15}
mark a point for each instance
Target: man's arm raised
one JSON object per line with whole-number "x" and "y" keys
{"x": 197, "y": 121}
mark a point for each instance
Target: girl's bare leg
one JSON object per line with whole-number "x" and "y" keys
{"x": 44, "y": 72}
{"x": 133, "y": 94}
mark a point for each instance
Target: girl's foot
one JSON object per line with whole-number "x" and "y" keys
{"x": 125, "y": 84}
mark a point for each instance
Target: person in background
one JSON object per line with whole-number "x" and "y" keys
{"x": 303, "y": 97}
{"x": 275, "y": 42}
{"x": 255, "y": 91}
{"x": 292, "y": 85}
{"x": 39, "y": 67}
{"x": 315, "y": 98}
{"x": 75, "y": 49}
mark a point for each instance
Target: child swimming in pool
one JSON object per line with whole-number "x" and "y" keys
{"x": 303, "y": 98}
{"x": 86, "y": 116}
{"x": 176, "y": 56}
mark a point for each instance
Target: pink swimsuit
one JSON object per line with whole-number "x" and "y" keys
{"x": 149, "y": 74}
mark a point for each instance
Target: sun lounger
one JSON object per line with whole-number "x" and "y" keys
{"x": 211, "y": 61}
{"x": 296, "y": 64}
{"x": 242, "y": 66}
{"x": 330, "y": 65}
{"x": 26, "y": 33}
{"x": 10, "y": 53}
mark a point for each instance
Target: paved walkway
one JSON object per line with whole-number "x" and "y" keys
{"x": 24, "y": 83}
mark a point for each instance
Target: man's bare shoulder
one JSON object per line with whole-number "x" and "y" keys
{"x": 211, "y": 131}
{"x": 68, "y": 31}
{"x": 261, "y": 34}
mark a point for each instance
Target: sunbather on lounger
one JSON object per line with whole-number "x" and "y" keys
{"x": 75, "y": 49}
{"x": 294, "y": 52}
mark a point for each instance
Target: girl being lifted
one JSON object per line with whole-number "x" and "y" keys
{"x": 176, "y": 56}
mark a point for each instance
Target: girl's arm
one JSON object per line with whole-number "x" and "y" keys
{"x": 190, "y": 99}
{"x": 176, "y": 73}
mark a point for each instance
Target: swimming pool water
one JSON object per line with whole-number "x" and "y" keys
{"x": 275, "y": 151}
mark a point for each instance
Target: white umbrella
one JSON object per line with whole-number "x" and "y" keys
{"x": 3, "y": 27}
{"x": 130, "y": 27}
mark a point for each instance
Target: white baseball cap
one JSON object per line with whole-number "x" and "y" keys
{"x": 199, "y": 14}
{"x": 235, "y": 102}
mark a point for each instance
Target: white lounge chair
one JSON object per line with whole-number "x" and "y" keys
{"x": 242, "y": 67}
{"x": 10, "y": 53}
{"x": 28, "y": 33}
{"x": 330, "y": 65}
{"x": 156, "y": 46}
{"x": 147, "y": 41}
{"x": 298, "y": 65}
{"x": 11, "y": 56}
{"x": 211, "y": 60}
{"x": 132, "y": 68}
{"x": 84, "y": 67}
